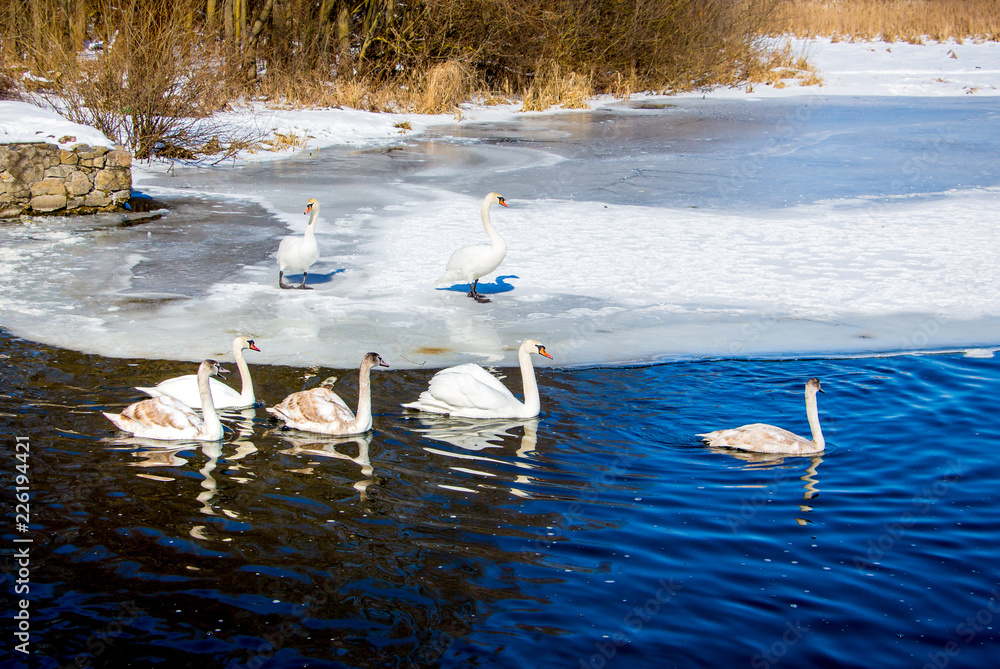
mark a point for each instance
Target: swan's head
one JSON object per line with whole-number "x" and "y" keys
{"x": 244, "y": 343}
{"x": 373, "y": 359}
{"x": 212, "y": 368}
{"x": 310, "y": 205}
{"x": 534, "y": 346}
{"x": 812, "y": 386}
{"x": 496, "y": 198}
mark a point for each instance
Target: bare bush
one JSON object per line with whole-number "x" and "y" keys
{"x": 164, "y": 66}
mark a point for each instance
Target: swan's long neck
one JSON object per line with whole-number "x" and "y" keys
{"x": 311, "y": 225}
{"x": 495, "y": 239}
{"x": 213, "y": 428}
{"x": 363, "y": 418}
{"x": 246, "y": 394}
{"x": 532, "y": 403}
{"x": 812, "y": 413}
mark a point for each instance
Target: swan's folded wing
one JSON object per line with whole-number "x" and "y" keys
{"x": 759, "y": 437}
{"x": 319, "y": 405}
{"x": 469, "y": 386}
{"x": 162, "y": 411}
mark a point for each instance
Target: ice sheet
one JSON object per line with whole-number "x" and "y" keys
{"x": 654, "y": 229}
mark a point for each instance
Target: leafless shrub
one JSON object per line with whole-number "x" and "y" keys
{"x": 145, "y": 70}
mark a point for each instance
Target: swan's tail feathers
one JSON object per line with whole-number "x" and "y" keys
{"x": 117, "y": 419}
{"x": 451, "y": 276}
{"x": 427, "y": 402}
{"x": 710, "y": 436}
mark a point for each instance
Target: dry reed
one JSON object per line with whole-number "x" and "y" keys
{"x": 893, "y": 20}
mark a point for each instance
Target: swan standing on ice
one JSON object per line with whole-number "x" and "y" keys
{"x": 185, "y": 388}
{"x": 469, "y": 391}
{"x": 297, "y": 254}
{"x": 166, "y": 418}
{"x": 763, "y": 438}
{"x": 321, "y": 410}
{"x": 470, "y": 263}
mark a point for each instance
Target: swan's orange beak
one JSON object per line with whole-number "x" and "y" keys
{"x": 308, "y": 208}
{"x": 253, "y": 346}
{"x": 542, "y": 351}
{"x": 503, "y": 202}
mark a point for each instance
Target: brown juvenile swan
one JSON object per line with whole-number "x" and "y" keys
{"x": 321, "y": 410}
{"x": 763, "y": 438}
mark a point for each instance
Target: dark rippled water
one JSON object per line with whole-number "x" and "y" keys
{"x": 601, "y": 535}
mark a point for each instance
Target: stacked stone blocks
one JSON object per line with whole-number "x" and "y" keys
{"x": 39, "y": 178}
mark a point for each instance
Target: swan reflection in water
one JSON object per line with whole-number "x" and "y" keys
{"x": 321, "y": 446}
{"x": 782, "y": 471}
{"x": 153, "y": 453}
{"x": 474, "y": 437}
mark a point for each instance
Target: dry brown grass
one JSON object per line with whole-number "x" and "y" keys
{"x": 779, "y": 67}
{"x": 893, "y": 20}
{"x": 444, "y": 87}
{"x": 552, "y": 87}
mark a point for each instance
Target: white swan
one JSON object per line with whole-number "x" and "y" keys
{"x": 469, "y": 391}
{"x": 297, "y": 254}
{"x": 763, "y": 438}
{"x": 470, "y": 263}
{"x": 321, "y": 410}
{"x": 185, "y": 388}
{"x": 166, "y": 418}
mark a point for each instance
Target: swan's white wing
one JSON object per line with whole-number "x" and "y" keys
{"x": 185, "y": 389}
{"x": 296, "y": 254}
{"x": 760, "y": 438}
{"x": 472, "y": 262}
{"x": 470, "y": 386}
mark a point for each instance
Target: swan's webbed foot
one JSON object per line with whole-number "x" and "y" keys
{"x": 281, "y": 281}
{"x": 478, "y": 297}
{"x": 303, "y": 286}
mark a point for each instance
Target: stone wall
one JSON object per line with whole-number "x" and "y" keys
{"x": 44, "y": 179}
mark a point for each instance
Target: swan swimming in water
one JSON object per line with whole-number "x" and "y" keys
{"x": 297, "y": 254}
{"x": 185, "y": 388}
{"x": 166, "y": 418}
{"x": 763, "y": 438}
{"x": 321, "y": 410}
{"x": 469, "y": 391}
{"x": 469, "y": 263}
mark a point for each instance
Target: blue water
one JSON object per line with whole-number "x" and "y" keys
{"x": 602, "y": 534}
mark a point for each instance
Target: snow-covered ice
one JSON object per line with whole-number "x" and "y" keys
{"x": 789, "y": 221}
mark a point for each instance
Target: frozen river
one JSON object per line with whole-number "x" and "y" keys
{"x": 655, "y": 230}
